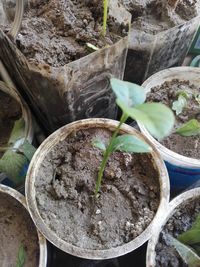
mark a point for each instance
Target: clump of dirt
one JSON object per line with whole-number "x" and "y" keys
{"x": 10, "y": 111}
{"x": 55, "y": 32}
{"x": 180, "y": 222}
{"x": 167, "y": 93}
{"x": 65, "y": 185}
{"x": 16, "y": 230}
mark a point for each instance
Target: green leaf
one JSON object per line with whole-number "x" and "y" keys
{"x": 12, "y": 164}
{"x": 129, "y": 93}
{"x": 130, "y": 143}
{"x": 97, "y": 143}
{"x": 21, "y": 257}
{"x": 192, "y": 236}
{"x": 18, "y": 131}
{"x": 28, "y": 150}
{"x": 179, "y": 105}
{"x": 186, "y": 253}
{"x": 92, "y": 47}
{"x": 190, "y": 128}
{"x": 157, "y": 118}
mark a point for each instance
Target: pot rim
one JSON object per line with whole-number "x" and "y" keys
{"x": 173, "y": 205}
{"x": 46, "y": 146}
{"x": 42, "y": 241}
{"x": 167, "y": 154}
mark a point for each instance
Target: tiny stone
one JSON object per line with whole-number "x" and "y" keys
{"x": 98, "y": 211}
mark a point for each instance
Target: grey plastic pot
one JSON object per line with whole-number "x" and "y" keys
{"x": 78, "y": 90}
{"x": 30, "y": 189}
{"x": 41, "y": 240}
{"x": 183, "y": 171}
{"x": 173, "y": 205}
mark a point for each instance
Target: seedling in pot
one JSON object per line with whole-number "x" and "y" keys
{"x": 105, "y": 16}
{"x": 157, "y": 118}
{"x": 188, "y": 244}
{"x": 21, "y": 257}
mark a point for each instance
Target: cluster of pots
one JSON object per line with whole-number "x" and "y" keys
{"x": 174, "y": 171}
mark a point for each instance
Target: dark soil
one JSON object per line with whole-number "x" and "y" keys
{"x": 180, "y": 222}
{"x": 10, "y": 111}
{"x": 65, "y": 186}
{"x": 16, "y": 229}
{"x": 167, "y": 94}
{"x": 55, "y": 32}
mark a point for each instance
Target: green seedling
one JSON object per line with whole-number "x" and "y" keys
{"x": 190, "y": 128}
{"x": 17, "y": 153}
{"x": 188, "y": 244}
{"x": 21, "y": 257}
{"x": 105, "y": 17}
{"x": 92, "y": 47}
{"x": 181, "y": 103}
{"x": 130, "y": 98}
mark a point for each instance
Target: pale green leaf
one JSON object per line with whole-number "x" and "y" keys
{"x": 180, "y": 104}
{"x": 130, "y": 143}
{"x": 99, "y": 144}
{"x": 129, "y": 93}
{"x": 12, "y": 164}
{"x": 21, "y": 257}
{"x": 190, "y": 128}
{"x": 18, "y": 131}
{"x": 28, "y": 150}
{"x": 192, "y": 236}
{"x": 185, "y": 252}
{"x": 92, "y": 47}
{"x": 157, "y": 118}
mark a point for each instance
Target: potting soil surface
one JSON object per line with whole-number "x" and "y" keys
{"x": 167, "y": 93}
{"x": 65, "y": 184}
{"x": 55, "y": 32}
{"x": 10, "y": 111}
{"x": 16, "y": 230}
{"x": 180, "y": 222}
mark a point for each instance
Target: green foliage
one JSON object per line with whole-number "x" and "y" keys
{"x": 131, "y": 98}
{"x": 21, "y": 257}
{"x": 180, "y": 104}
{"x": 185, "y": 252}
{"x": 27, "y": 150}
{"x": 18, "y": 131}
{"x": 190, "y": 128}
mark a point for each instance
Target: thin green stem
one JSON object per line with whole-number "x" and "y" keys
{"x": 107, "y": 153}
{"x": 105, "y": 16}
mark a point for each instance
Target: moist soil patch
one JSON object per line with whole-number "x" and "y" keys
{"x": 55, "y": 32}
{"x": 65, "y": 185}
{"x": 167, "y": 93}
{"x": 16, "y": 229}
{"x": 10, "y": 111}
{"x": 180, "y": 222}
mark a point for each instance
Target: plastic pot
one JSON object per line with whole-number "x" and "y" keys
{"x": 149, "y": 53}
{"x": 80, "y": 89}
{"x": 16, "y": 197}
{"x": 30, "y": 188}
{"x": 173, "y": 206}
{"x": 183, "y": 171}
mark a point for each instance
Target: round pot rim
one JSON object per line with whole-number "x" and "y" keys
{"x": 173, "y": 205}
{"x": 41, "y": 240}
{"x": 169, "y": 155}
{"x": 49, "y": 234}
{"x": 26, "y": 114}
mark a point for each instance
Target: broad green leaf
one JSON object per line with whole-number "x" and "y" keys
{"x": 21, "y": 257}
{"x": 12, "y": 164}
{"x": 157, "y": 118}
{"x": 179, "y": 105}
{"x": 192, "y": 127}
{"x": 192, "y": 236}
{"x": 18, "y": 131}
{"x": 97, "y": 143}
{"x": 185, "y": 252}
{"x": 129, "y": 94}
{"x": 28, "y": 150}
{"x": 130, "y": 143}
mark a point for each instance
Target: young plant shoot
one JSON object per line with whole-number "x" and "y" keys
{"x": 157, "y": 118}
{"x": 105, "y": 16}
{"x": 188, "y": 244}
{"x": 21, "y": 257}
